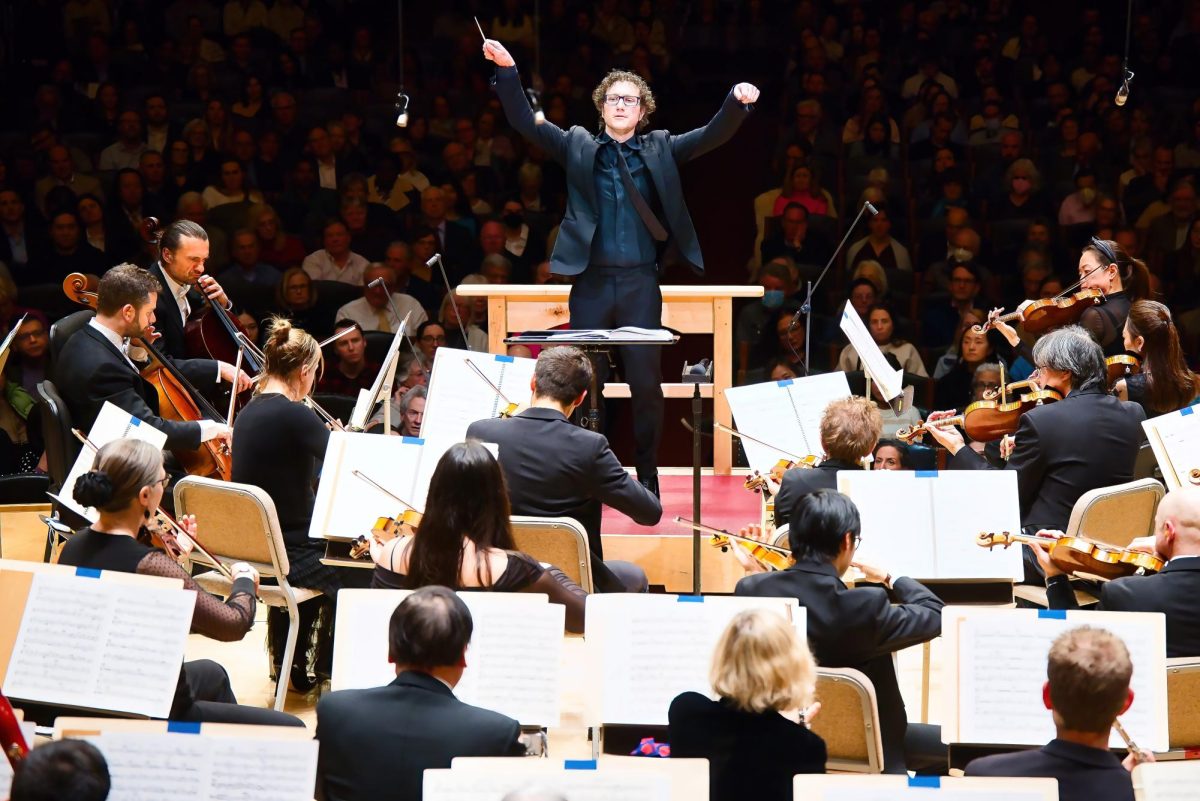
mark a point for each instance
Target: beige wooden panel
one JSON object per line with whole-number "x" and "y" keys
{"x": 667, "y": 560}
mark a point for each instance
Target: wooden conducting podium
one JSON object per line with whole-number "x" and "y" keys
{"x": 686, "y": 309}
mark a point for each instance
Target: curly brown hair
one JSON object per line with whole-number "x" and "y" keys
{"x": 616, "y": 76}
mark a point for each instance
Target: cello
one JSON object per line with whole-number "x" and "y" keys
{"x": 177, "y": 398}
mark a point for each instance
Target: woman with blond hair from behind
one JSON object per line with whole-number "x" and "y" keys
{"x": 764, "y": 678}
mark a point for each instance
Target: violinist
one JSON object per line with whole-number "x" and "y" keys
{"x": 1165, "y": 383}
{"x": 1089, "y": 439}
{"x": 1104, "y": 265}
{"x": 1172, "y": 591}
{"x": 278, "y": 443}
{"x": 126, "y": 486}
{"x": 94, "y": 365}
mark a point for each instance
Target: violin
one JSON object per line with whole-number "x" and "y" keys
{"x": 385, "y": 528}
{"x": 1121, "y": 366}
{"x": 986, "y": 420}
{"x": 1077, "y": 555}
{"x": 770, "y": 556}
{"x": 757, "y": 482}
{"x": 177, "y": 398}
{"x": 12, "y": 739}
{"x": 214, "y": 334}
{"x": 1043, "y": 315}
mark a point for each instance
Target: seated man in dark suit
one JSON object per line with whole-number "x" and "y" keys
{"x": 1173, "y": 591}
{"x": 557, "y": 469}
{"x": 850, "y": 428}
{"x": 857, "y": 628}
{"x": 377, "y": 743}
{"x": 94, "y": 366}
{"x": 1087, "y": 687}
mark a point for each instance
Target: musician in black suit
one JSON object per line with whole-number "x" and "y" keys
{"x": 857, "y": 628}
{"x": 377, "y": 743}
{"x": 94, "y": 366}
{"x": 850, "y": 428}
{"x": 620, "y": 184}
{"x": 556, "y": 469}
{"x": 1173, "y": 591}
{"x": 1086, "y": 690}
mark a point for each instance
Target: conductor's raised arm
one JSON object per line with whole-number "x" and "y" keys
{"x": 720, "y": 129}
{"x": 516, "y": 105}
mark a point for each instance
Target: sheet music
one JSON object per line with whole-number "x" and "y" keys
{"x": 1175, "y": 439}
{"x": 627, "y": 333}
{"x": 819, "y": 787}
{"x": 500, "y": 675}
{"x": 367, "y": 405}
{"x": 346, "y": 506}
{"x": 786, "y": 414}
{"x": 647, "y": 649}
{"x": 459, "y": 397}
{"x": 1002, "y": 667}
{"x": 100, "y": 645}
{"x": 577, "y": 785}
{"x": 6, "y": 773}
{"x": 153, "y": 767}
{"x": 889, "y": 379}
{"x": 112, "y": 423}
{"x": 1166, "y": 781}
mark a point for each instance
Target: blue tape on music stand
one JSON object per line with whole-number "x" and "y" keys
{"x": 503, "y": 358}
{"x": 182, "y": 727}
{"x": 1052, "y": 614}
{"x": 133, "y": 421}
{"x": 690, "y": 599}
{"x": 927, "y": 474}
{"x": 1186, "y": 410}
{"x": 411, "y": 441}
{"x": 932, "y": 782}
{"x": 87, "y": 572}
{"x": 579, "y": 764}
{"x": 784, "y": 382}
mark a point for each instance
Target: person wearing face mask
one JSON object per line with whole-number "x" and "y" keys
{"x": 1080, "y": 206}
{"x": 779, "y": 287}
{"x": 1024, "y": 199}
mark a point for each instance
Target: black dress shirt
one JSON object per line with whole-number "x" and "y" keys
{"x": 622, "y": 239}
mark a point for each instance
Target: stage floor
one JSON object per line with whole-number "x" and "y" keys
{"x": 724, "y": 503}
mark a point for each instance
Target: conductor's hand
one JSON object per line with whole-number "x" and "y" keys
{"x": 746, "y": 93}
{"x": 494, "y": 51}
{"x": 946, "y": 436}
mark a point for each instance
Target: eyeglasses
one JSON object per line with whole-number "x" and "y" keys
{"x": 633, "y": 101}
{"x": 164, "y": 481}
{"x": 432, "y": 338}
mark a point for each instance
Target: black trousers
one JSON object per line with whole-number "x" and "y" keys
{"x": 213, "y": 700}
{"x": 612, "y": 297}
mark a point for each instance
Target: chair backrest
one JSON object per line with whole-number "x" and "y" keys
{"x": 62, "y": 449}
{"x": 559, "y": 541}
{"x": 377, "y": 345}
{"x": 340, "y": 406}
{"x": 849, "y": 721}
{"x": 1183, "y": 702}
{"x": 66, "y": 328}
{"x": 1118, "y": 514}
{"x": 1146, "y": 463}
{"x": 236, "y": 522}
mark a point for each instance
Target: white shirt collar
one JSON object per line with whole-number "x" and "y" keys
{"x": 178, "y": 292}
{"x": 119, "y": 342}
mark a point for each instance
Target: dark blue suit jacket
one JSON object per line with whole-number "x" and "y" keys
{"x": 1083, "y": 773}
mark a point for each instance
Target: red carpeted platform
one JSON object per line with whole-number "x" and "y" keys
{"x": 724, "y": 503}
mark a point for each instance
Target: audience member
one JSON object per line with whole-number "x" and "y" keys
{"x": 335, "y": 261}
{"x": 376, "y": 310}
{"x": 352, "y": 371}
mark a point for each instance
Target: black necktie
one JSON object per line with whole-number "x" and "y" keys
{"x": 643, "y": 208}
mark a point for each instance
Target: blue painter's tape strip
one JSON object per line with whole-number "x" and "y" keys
{"x": 87, "y": 572}
{"x": 927, "y": 474}
{"x": 503, "y": 358}
{"x": 1052, "y": 614}
{"x": 933, "y": 782}
{"x": 412, "y": 441}
{"x": 579, "y": 764}
{"x": 691, "y": 599}
{"x": 786, "y": 382}
{"x": 182, "y": 727}
{"x": 1186, "y": 410}
{"x": 133, "y": 421}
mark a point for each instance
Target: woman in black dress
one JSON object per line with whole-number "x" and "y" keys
{"x": 764, "y": 677}
{"x": 126, "y": 486}
{"x": 1165, "y": 383}
{"x": 466, "y": 539}
{"x": 277, "y": 443}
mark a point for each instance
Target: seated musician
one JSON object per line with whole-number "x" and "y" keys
{"x": 850, "y": 427}
{"x": 554, "y": 468}
{"x": 378, "y": 743}
{"x": 466, "y": 539}
{"x": 1165, "y": 383}
{"x": 1087, "y": 688}
{"x": 1173, "y": 591}
{"x": 857, "y": 628}
{"x": 126, "y": 486}
{"x": 764, "y": 677}
{"x": 94, "y": 366}
{"x": 63, "y": 769}
{"x": 278, "y": 443}
{"x": 1088, "y": 439}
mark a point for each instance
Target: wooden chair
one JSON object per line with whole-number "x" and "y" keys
{"x": 848, "y": 721}
{"x": 238, "y": 523}
{"x": 559, "y": 541}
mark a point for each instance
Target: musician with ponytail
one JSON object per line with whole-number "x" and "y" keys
{"x": 1165, "y": 383}
{"x": 126, "y": 486}
{"x": 1105, "y": 265}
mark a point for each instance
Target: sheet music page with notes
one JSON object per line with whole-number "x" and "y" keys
{"x": 1175, "y": 440}
{"x": 1166, "y": 781}
{"x": 458, "y": 396}
{"x": 112, "y": 423}
{"x": 347, "y": 506}
{"x": 786, "y": 414}
{"x": 646, "y": 649}
{"x": 154, "y": 767}
{"x": 577, "y": 785}
{"x": 103, "y": 645}
{"x": 816, "y": 787}
{"x": 1001, "y": 656}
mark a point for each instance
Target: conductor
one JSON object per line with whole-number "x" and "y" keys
{"x": 624, "y": 208}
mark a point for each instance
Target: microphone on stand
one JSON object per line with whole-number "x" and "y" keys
{"x": 462, "y": 329}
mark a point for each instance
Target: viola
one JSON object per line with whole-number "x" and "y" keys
{"x": 1121, "y": 366}
{"x": 12, "y": 739}
{"x": 385, "y": 528}
{"x": 760, "y": 483}
{"x": 986, "y": 420}
{"x": 1046, "y": 314}
{"x": 177, "y": 398}
{"x": 770, "y": 556}
{"x": 1077, "y": 555}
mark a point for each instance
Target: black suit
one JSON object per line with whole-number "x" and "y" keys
{"x": 376, "y": 744}
{"x": 799, "y": 481}
{"x": 90, "y": 370}
{"x": 1173, "y": 592}
{"x": 859, "y": 628}
{"x": 556, "y": 469}
{"x": 167, "y": 320}
{"x": 1083, "y": 773}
